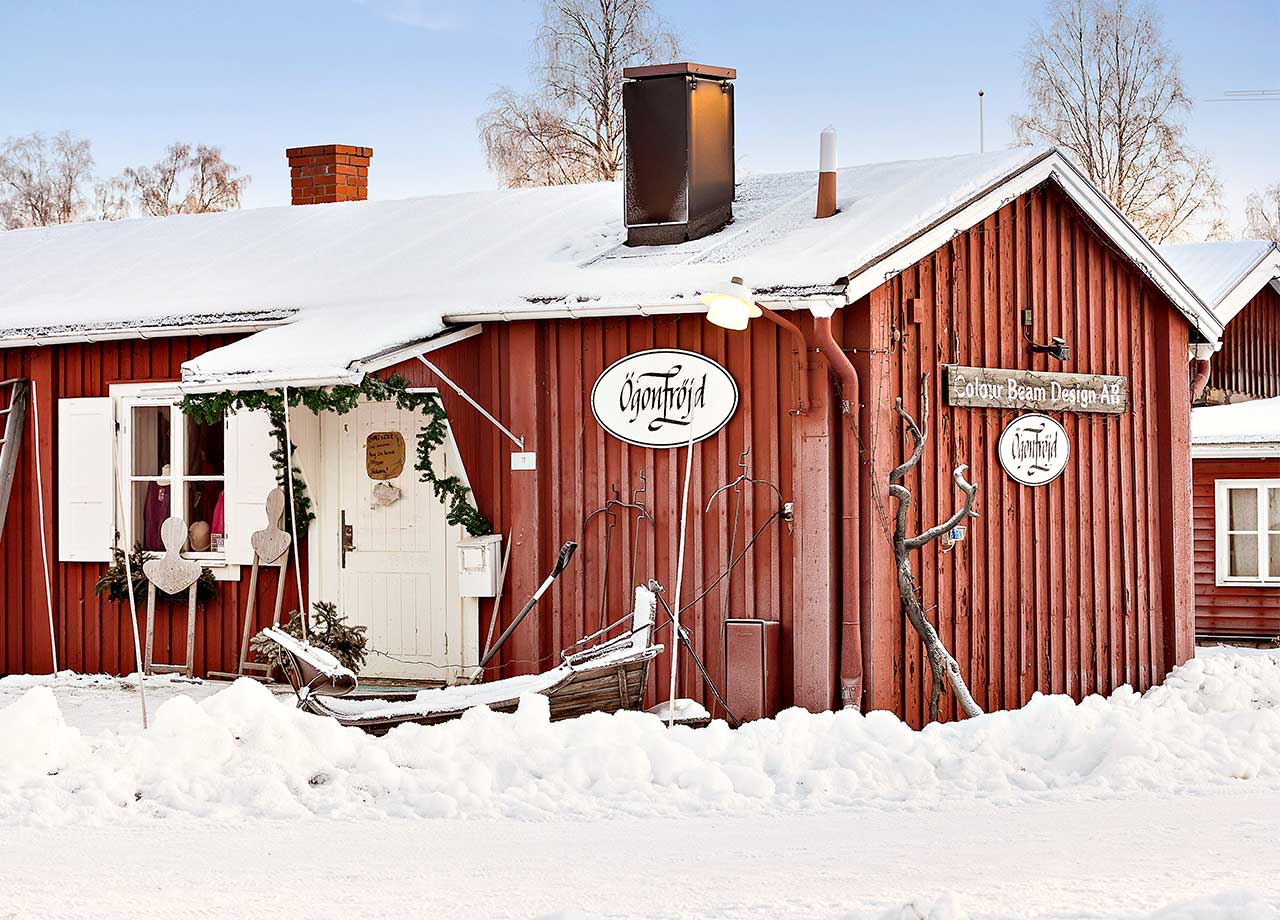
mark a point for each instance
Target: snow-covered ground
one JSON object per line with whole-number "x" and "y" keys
{"x": 1166, "y": 804}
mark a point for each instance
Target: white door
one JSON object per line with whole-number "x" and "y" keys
{"x": 398, "y": 572}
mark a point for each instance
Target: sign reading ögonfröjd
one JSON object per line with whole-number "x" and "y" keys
{"x": 1034, "y": 449}
{"x": 656, "y": 398}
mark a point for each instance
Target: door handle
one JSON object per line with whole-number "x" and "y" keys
{"x": 348, "y": 539}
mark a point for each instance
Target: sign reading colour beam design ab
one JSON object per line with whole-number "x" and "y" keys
{"x": 998, "y": 388}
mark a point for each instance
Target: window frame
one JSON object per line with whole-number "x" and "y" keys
{"x": 128, "y": 398}
{"x": 1268, "y": 540}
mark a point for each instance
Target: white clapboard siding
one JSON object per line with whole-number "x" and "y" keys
{"x": 251, "y": 475}
{"x": 86, "y": 500}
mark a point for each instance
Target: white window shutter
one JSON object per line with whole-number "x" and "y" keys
{"x": 251, "y": 475}
{"x": 86, "y": 493}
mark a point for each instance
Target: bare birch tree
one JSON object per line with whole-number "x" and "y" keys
{"x": 1262, "y": 215}
{"x": 941, "y": 664}
{"x": 187, "y": 180}
{"x": 44, "y": 180}
{"x": 1106, "y": 87}
{"x": 570, "y": 128}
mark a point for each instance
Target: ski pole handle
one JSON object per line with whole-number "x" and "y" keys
{"x": 566, "y": 553}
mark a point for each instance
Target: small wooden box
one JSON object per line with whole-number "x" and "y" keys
{"x": 752, "y": 668}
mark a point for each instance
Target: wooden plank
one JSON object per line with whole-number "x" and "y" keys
{"x": 1036, "y": 391}
{"x": 14, "y": 417}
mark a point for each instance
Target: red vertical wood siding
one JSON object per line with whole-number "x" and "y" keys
{"x": 537, "y": 377}
{"x": 1249, "y": 362}
{"x": 1228, "y": 610}
{"x": 1075, "y": 587}
{"x": 95, "y": 634}
{"x": 1067, "y": 587}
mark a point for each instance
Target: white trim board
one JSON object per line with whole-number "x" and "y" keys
{"x": 1260, "y": 450}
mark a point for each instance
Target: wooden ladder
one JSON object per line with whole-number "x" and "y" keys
{"x": 14, "y": 412}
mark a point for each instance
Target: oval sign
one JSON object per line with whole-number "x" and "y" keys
{"x": 1034, "y": 449}
{"x": 656, "y": 398}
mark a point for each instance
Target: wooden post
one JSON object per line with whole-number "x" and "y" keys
{"x": 815, "y": 620}
{"x": 39, "y": 654}
{"x": 1173, "y": 394}
{"x": 881, "y": 605}
{"x": 526, "y": 395}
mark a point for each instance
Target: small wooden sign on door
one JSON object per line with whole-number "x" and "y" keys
{"x": 384, "y": 454}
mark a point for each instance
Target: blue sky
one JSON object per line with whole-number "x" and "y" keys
{"x": 409, "y": 77}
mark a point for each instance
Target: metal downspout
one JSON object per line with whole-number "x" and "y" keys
{"x": 851, "y": 675}
{"x": 1201, "y": 379}
{"x": 802, "y": 347}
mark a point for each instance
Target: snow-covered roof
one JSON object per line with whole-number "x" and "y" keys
{"x": 1226, "y": 274}
{"x": 1255, "y": 424}
{"x": 360, "y": 279}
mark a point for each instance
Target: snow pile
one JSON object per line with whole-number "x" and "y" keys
{"x": 1255, "y": 421}
{"x": 243, "y": 753}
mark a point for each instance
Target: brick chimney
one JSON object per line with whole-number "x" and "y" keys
{"x": 329, "y": 172}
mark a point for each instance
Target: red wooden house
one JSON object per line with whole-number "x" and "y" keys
{"x": 998, "y": 275}
{"x": 1236, "y": 442}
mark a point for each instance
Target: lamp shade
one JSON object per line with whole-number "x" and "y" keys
{"x": 731, "y": 307}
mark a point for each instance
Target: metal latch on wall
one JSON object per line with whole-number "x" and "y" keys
{"x": 348, "y": 539}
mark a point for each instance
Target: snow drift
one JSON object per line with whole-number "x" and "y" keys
{"x": 243, "y": 753}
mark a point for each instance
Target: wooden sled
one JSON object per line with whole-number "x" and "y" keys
{"x": 606, "y": 677}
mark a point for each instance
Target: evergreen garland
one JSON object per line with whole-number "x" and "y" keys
{"x": 210, "y": 408}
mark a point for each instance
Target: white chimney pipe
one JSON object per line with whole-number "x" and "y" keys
{"x": 827, "y": 163}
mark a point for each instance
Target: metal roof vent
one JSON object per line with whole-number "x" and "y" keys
{"x": 679, "y": 146}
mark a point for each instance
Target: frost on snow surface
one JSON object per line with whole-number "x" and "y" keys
{"x": 244, "y": 753}
{"x": 1214, "y": 268}
{"x": 364, "y": 277}
{"x": 1256, "y": 421}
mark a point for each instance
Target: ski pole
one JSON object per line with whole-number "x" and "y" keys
{"x": 562, "y": 562}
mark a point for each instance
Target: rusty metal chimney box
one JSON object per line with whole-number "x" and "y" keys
{"x": 679, "y": 152}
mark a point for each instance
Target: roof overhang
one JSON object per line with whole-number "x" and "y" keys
{"x": 1261, "y": 450}
{"x": 237, "y": 323}
{"x": 352, "y": 375}
{"x": 1265, "y": 271}
{"x": 1050, "y": 166}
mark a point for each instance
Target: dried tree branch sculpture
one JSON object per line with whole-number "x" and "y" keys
{"x": 942, "y": 665}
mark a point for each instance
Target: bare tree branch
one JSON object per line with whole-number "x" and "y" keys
{"x": 942, "y": 665}
{"x": 1262, "y": 214}
{"x": 187, "y": 181}
{"x": 570, "y": 128}
{"x": 44, "y": 181}
{"x": 1106, "y": 87}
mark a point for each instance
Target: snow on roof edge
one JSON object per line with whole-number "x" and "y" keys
{"x": 1227, "y": 274}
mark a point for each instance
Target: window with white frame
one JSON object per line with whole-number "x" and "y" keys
{"x": 175, "y": 466}
{"x": 1248, "y": 531}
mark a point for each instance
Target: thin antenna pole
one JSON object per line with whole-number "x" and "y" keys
{"x": 44, "y": 543}
{"x": 684, "y": 520}
{"x": 293, "y": 516}
{"x": 982, "y": 126}
{"x": 119, "y": 472}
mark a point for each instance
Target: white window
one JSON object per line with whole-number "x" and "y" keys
{"x": 1248, "y": 531}
{"x": 215, "y": 477}
{"x": 174, "y": 466}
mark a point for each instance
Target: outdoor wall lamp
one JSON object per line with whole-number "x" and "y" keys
{"x": 1057, "y": 347}
{"x": 731, "y": 307}
{"x": 734, "y": 306}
